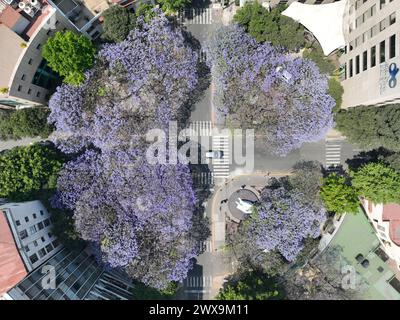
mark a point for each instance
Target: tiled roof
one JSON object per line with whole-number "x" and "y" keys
{"x": 12, "y": 269}
{"x": 391, "y": 213}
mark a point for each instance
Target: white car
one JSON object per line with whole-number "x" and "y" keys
{"x": 214, "y": 154}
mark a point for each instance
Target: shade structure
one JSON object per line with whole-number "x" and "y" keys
{"x": 325, "y": 21}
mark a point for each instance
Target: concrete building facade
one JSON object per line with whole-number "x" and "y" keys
{"x": 372, "y": 53}
{"x": 30, "y": 225}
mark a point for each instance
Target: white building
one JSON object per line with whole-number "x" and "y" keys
{"x": 372, "y": 53}
{"x": 385, "y": 219}
{"x": 30, "y": 224}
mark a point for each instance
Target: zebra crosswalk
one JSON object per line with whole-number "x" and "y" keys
{"x": 195, "y": 16}
{"x": 221, "y": 166}
{"x": 200, "y": 128}
{"x": 198, "y": 282}
{"x": 333, "y": 153}
{"x": 203, "y": 179}
{"x": 205, "y": 246}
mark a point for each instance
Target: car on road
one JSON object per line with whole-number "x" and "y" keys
{"x": 216, "y": 154}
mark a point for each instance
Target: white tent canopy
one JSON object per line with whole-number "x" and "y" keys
{"x": 325, "y": 21}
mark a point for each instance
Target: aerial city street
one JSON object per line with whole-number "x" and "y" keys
{"x": 199, "y": 150}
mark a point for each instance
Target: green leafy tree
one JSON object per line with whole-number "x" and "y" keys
{"x": 377, "y": 182}
{"x": 371, "y": 127}
{"x": 252, "y": 285}
{"x": 118, "y": 22}
{"x": 70, "y": 55}
{"x": 172, "y": 6}
{"x": 146, "y": 10}
{"x": 335, "y": 90}
{"x": 270, "y": 26}
{"x": 27, "y": 171}
{"x": 338, "y": 195}
{"x": 28, "y": 122}
{"x": 316, "y": 54}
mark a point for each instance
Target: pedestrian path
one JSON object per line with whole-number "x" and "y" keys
{"x": 203, "y": 179}
{"x": 200, "y": 128}
{"x": 333, "y": 153}
{"x": 221, "y": 166}
{"x": 195, "y": 16}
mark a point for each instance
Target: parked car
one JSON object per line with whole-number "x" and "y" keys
{"x": 214, "y": 154}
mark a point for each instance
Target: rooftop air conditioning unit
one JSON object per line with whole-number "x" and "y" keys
{"x": 29, "y": 11}
{"x": 36, "y": 4}
{"x": 21, "y": 5}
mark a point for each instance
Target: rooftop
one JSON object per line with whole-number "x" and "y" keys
{"x": 391, "y": 213}
{"x": 12, "y": 269}
{"x": 357, "y": 238}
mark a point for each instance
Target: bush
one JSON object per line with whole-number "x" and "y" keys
{"x": 118, "y": 22}
{"x": 335, "y": 90}
{"x": 316, "y": 54}
{"x": 371, "y": 127}
{"x": 26, "y": 171}
{"x": 270, "y": 26}
{"x": 29, "y": 122}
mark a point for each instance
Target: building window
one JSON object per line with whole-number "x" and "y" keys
{"x": 29, "y": 91}
{"x": 23, "y": 77}
{"x": 26, "y": 219}
{"x": 351, "y": 46}
{"x": 32, "y": 229}
{"x": 43, "y": 239}
{"x": 49, "y": 248}
{"x": 38, "y": 94}
{"x": 357, "y": 64}
{"x": 35, "y": 243}
{"x": 19, "y": 88}
{"x": 55, "y": 243}
{"x": 26, "y": 248}
{"x": 380, "y": 227}
{"x": 41, "y": 212}
{"x": 350, "y": 68}
{"x": 42, "y": 253}
{"x": 392, "y": 46}
{"x": 48, "y": 32}
{"x": 365, "y": 60}
{"x": 23, "y": 234}
{"x": 49, "y": 235}
{"x": 57, "y": 22}
{"x": 383, "y": 24}
{"x": 373, "y": 10}
{"x": 382, "y": 3}
{"x": 382, "y": 54}
{"x": 40, "y": 225}
{"x": 392, "y": 18}
{"x": 373, "y": 56}
{"x": 33, "y": 258}
{"x": 30, "y": 61}
{"x": 18, "y": 223}
{"x": 38, "y": 46}
{"x": 46, "y": 222}
{"x": 34, "y": 215}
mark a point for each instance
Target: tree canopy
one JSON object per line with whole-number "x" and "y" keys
{"x": 111, "y": 187}
{"x": 338, "y": 195}
{"x": 172, "y": 6}
{"x": 118, "y": 22}
{"x": 377, "y": 182}
{"x": 270, "y": 26}
{"x": 252, "y": 285}
{"x": 316, "y": 54}
{"x": 258, "y": 87}
{"x": 25, "y": 171}
{"x": 70, "y": 55}
{"x": 371, "y": 126}
{"x": 335, "y": 90}
{"x": 28, "y": 122}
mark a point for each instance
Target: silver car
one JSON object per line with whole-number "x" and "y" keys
{"x": 214, "y": 154}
